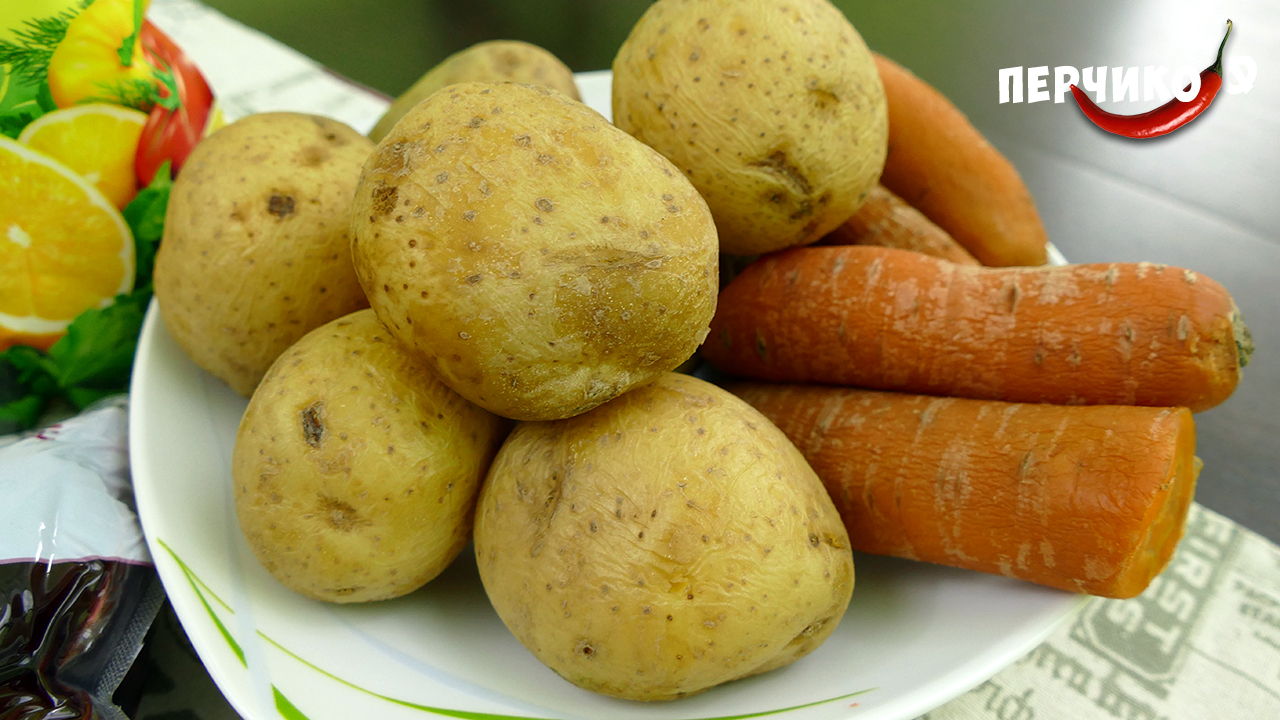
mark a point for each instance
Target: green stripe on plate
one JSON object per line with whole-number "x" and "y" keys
{"x": 286, "y": 708}
{"x": 290, "y": 712}
{"x": 467, "y": 715}
{"x": 191, "y": 574}
{"x": 196, "y": 584}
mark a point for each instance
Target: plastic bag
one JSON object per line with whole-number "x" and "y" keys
{"x": 76, "y": 580}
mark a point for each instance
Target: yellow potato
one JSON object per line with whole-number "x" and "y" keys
{"x": 774, "y": 111}
{"x": 541, "y": 260}
{"x": 492, "y": 61}
{"x": 355, "y": 469}
{"x": 256, "y": 251}
{"x": 668, "y": 541}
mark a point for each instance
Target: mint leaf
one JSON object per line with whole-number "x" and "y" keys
{"x": 45, "y": 98}
{"x": 93, "y": 360}
{"x": 18, "y": 92}
{"x": 20, "y": 106}
{"x": 22, "y": 413}
{"x": 34, "y": 369}
{"x": 145, "y": 216}
{"x": 14, "y": 121}
{"x": 97, "y": 351}
{"x": 26, "y": 386}
{"x": 84, "y": 397}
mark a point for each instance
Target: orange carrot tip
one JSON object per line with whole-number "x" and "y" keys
{"x": 1086, "y": 499}
{"x": 889, "y": 319}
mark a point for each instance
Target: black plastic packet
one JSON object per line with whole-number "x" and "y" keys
{"x": 78, "y": 588}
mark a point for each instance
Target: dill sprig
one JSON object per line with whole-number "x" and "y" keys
{"x": 136, "y": 93}
{"x": 29, "y": 54}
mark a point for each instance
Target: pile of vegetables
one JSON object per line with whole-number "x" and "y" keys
{"x": 100, "y": 57}
{"x": 472, "y": 326}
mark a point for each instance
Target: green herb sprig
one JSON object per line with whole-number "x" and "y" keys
{"x": 29, "y": 54}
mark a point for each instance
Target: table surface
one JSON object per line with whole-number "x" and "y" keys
{"x": 1206, "y": 197}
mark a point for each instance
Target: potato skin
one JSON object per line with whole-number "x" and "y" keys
{"x": 540, "y": 259}
{"x": 256, "y": 251}
{"x": 491, "y": 61}
{"x": 668, "y": 541}
{"x": 774, "y": 111}
{"x": 355, "y": 468}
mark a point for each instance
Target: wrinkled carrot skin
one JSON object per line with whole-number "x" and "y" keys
{"x": 886, "y": 220}
{"x": 1086, "y": 499}
{"x": 940, "y": 163}
{"x": 886, "y": 319}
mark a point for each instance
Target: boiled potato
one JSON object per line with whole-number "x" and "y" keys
{"x": 492, "y": 61}
{"x": 668, "y": 541}
{"x": 355, "y": 469}
{"x": 541, "y": 260}
{"x": 775, "y": 111}
{"x": 256, "y": 251}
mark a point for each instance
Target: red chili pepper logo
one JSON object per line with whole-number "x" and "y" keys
{"x": 1164, "y": 119}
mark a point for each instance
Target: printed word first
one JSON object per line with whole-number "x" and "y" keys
{"x": 1154, "y": 81}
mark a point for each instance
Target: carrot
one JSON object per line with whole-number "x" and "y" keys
{"x": 940, "y": 163}
{"x": 1087, "y": 499}
{"x": 887, "y": 221}
{"x": 1118, "y": 334}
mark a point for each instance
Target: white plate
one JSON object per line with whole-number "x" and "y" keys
{"x": 915, "y": 635}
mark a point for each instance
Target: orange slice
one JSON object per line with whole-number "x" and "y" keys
{"x": 64, "y": 248}
{"x": 98, "y": 141}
